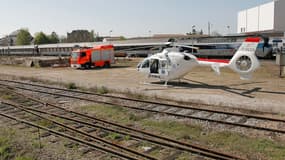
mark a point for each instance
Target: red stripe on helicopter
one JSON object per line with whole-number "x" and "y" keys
{"x": 214, "y": 60}
{"x": 252, "y": 39}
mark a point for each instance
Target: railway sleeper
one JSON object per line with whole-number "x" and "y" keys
{"x": 71, "y": 144}
{"x": 173, "y": 156}
{"x": 6, "y": 109}
{"x": 14, "y": 112}
{"x": 78, "y": 126}
{"x": 45, "y": 134}
{"x": 156, "y": 147}
{"x": 243, "y": 120}
{"x": 84, "y": 150}
{"x": 23, "y": 126}
{"x": 186, "y": 112}
{"x": 90, "y": 130}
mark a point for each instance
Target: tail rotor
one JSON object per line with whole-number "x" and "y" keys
{"x": 244, "y": 61}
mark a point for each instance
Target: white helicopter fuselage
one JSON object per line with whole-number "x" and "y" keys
{"x": 168, "y": 65}
{"x": 172, "y": 65}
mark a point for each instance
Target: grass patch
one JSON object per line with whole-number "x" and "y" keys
{"x": 7, "y": 96}
{"x": 102, "y": 90}
{"x": 115, "y": 113}
{"x": 71, "y": 86}
{"x": 249, "y": 148}
{"x": 112, "y": 112}
{"x": 114, "y": 136}
{"x": 10, "y": 147}
{"x": 98, "y": 90}
{"x": 6, "y": 145}
{"x": 176, "y": 129}
{"x": 254, "y": 148}
{"x": 23, "y": 158}
{"x": 5, "y": 151}
{"x": 45, "y": 123}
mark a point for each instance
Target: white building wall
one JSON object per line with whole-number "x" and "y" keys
{"x": 252, "y": 19}
{"x": 242, "y": 18}
{"x": 279, "y": 17}
{"x": 266, "y": 17}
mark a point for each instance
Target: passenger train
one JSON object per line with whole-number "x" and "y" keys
{"x": 226, "y": 49}
{"x": 134, "y": 49}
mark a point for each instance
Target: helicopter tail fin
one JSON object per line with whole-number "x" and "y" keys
{"x": 245, "y": 61}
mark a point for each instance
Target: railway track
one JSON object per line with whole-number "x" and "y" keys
{"x": 86, "y": 126}
{"x": 194, "y": 111}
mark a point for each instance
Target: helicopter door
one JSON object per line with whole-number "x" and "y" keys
{"x": 154, "y": 66}
{"x": 163, "y": 67}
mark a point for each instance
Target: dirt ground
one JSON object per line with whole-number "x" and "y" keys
{"x": 265, "y": 92}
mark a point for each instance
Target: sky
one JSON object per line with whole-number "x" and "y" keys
{"x": 129, "y": 18}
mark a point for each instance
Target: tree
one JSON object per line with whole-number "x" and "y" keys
{"x": 63, "y": 39}
{"x": 216, "y": 33}
{"x": 201, "y": 32}
{"x": 80, "y": 36}
{"x": 122, "y": 38}
{"x": 53, "y": 38}
{"x": 41, "y": 38}
{"x": 92, "y": 34}
{"x": 24, "y": 37}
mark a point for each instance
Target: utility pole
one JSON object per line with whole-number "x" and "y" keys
{"x": 110, "y": 32}
{"x": 209, "y": 28}
{"x": 193, "y": 27}
{"x": 229, "y": 29}
{"x": 8, "y": 43}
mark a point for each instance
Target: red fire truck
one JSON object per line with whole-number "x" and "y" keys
{"x": 99, "y": 56}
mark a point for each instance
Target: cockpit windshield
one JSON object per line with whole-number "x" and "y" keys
{"x": 74, "y": 55}
{"x": 145, "y": 64}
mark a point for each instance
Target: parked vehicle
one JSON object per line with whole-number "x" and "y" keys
{"x": 98, "y": 56}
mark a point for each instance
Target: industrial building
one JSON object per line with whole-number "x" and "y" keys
{"x": 266, "y": 18}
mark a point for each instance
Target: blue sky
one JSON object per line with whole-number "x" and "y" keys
{"x": 125, "y": 17}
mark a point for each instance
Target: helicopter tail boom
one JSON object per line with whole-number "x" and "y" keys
{"x": 243, "y": 62}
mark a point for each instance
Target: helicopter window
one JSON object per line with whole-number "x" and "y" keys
{"x": 187, "y": 58}
{"x": 145, "y": 64}
{"x": 154, "y": 66}
{"x": 163, "y": 64}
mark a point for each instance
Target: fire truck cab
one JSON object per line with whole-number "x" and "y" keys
{"x": 99, "y": 56}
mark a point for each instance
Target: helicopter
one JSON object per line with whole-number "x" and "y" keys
{"x": 172, "y": 64}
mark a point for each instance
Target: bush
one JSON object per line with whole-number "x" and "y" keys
{"x": 71, "y": 86}
{"x": 102, "y": 90}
